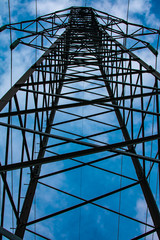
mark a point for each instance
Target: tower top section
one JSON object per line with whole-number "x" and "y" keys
{"x": 41, "y": 32}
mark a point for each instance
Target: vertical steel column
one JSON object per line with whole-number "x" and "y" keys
{"x": 151, "y": 203}
{"x": 26, "y": 208}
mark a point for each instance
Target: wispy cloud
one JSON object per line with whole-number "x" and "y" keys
{"x": 140, "y": 11}
{"x": 143, "y": 215}
{"x": 49, "y": 6}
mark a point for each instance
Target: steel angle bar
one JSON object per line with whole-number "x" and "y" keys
{"x": 97, "y": 205}
{"x": 110, "y": 147}
{"x": 145, "y": 234}
{"x": 151, "y": 203}
{"x": 23, "y": 25}
{"x": 108, "y": 99}
{"x": 82, "y": 137}
{"x": 128, "y": 84}
{"x": 6, "y": 98}
{"x": 37, "y": 234}
{"x": 114, "y": 145}
{"x": 6, "y": 187}
{"x": 8, "y": 234}
{"x": 20, "y": 230}
{"x": 100, "y": 102}
{"x": 82, "y": 204}
{"x": 28, "y": 201}
{"x": 47, "y": 82}
{"x": 140, "y": 61}
{"x": 115, "y": 106}
{"x": 88, "y": 164}
{"x": 49, "y": 135}
{"x": 90, "y": 119}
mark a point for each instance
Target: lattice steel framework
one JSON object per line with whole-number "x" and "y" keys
{"x": 80, "y": 131}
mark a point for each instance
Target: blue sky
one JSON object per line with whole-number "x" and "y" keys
{"x": 84, "y": 223}
{"x": 141, "y": 11}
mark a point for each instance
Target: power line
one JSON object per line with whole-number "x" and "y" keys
{"x": 11, "y": 83}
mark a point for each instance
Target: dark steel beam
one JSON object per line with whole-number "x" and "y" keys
{"x": 27, "y": 204}
{"x": 8, "y": 234}
{"x": 82, "y": 204}
{"x": 84, "y": 103}
{"x": 7, "y": 97}
{"x": 37, "y": 234}
{"x": 144, "y": 234}
{"x": 95, "y": 204}
{"x": 151, "y": 203}
{"x": 109, "y": 147}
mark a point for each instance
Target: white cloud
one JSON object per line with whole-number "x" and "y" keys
{"x": 23, "y": 57}
{"x": 49, "y": 6}
{"x": 0, "y": 21}
{"x": 140, "y": 6}
{"x": 140, "y": 11}
{"x": 141, "y": 209}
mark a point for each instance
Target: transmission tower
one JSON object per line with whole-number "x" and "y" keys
{"x": 80, "y": 132}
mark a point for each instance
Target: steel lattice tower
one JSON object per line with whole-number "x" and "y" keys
{"x": 81, "y": 131}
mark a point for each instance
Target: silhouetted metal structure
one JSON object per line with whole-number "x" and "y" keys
{"x": 85, "y": 131}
